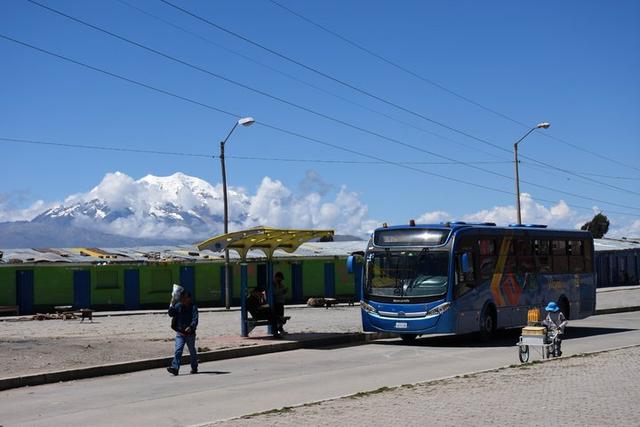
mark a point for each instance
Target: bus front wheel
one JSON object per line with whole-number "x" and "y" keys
{"x": 409, "y": 338}
{"x": 488, "y": 322}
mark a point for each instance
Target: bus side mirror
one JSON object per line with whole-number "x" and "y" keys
{"x": 350, "y": 264}
{"x": 465, "y": 263}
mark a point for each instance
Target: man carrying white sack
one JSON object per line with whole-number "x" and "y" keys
{"x": 184, "y": 320}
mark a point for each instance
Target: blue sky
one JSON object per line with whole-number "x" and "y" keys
{"x": 575, "y": 64}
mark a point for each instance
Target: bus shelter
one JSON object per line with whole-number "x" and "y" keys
{"x": 267, "y": 240}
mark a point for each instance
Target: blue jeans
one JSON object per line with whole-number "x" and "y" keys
{"x": 181, "y": 340}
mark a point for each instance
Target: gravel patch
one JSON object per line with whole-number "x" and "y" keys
{"x": 50, "y": 345}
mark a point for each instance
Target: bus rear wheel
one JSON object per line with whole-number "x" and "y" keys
{"x": 409, "y": 338}
{"x": 488, "y": 322}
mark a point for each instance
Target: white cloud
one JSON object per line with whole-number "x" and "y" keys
{"x": 630, "y": 230}
{"x": 558, "y": 215}
{"x": 10, "y": 209}
{"x": 181, "y": 206}
{"x": 276, "y": 205}
{"x": 434, "y": 217}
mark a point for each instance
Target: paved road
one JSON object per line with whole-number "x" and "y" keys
{"x": 241, "y": 386}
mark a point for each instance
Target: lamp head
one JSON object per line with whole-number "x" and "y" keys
{"x": 543, "y": 125}
{"x": 246, "y": 121}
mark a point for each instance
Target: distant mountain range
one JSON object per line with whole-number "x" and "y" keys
{"x": 121, "y": 212}
{"x": 25, "y": 234}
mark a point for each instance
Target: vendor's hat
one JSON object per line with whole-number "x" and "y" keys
{"x": 552, "y": 306}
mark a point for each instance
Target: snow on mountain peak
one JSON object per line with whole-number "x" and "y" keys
{"x": 183, "y": 206}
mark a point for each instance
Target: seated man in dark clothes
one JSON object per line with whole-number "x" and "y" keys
{"x": 259, "y": 309}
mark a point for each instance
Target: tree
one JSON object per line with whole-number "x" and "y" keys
{"x": 598, "y": 226}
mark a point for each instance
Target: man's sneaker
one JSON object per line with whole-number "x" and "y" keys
{"x": 194, "y": 371}
{"x": 172, "y": 371}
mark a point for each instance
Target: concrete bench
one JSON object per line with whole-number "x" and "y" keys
{"x": 253, "y": 323}
{"x": 13, "y": 309}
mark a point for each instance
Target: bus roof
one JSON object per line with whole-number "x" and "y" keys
{"x": 455, "y": 226}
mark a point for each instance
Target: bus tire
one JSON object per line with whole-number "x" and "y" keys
{"x": 488, "y": 322}
{"x": 409, "y": 338}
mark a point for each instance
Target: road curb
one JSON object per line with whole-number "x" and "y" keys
{"x": 614, "y": 310}
{"x": 209, "y": 356}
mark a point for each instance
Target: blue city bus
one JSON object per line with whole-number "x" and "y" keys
{"x": 457, "y": 278}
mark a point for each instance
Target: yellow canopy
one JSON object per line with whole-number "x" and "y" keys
{"x": 266, "y": 239}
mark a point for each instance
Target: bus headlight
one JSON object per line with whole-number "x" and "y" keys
{"x": 366, "y": 307}
{"x": 439, "y": 309}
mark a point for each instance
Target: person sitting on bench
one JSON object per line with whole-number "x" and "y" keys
{"x": 259, "y": 309}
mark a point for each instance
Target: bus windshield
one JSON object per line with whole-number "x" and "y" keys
{"x": 407, "y": 273}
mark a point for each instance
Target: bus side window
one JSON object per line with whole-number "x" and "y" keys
{"x": 560, "y": 261}
{"x": 542, "y": 251}
{"x": 524, "y": 254}
{"x": 488, "y": 258}
{"x": 465, "y": 281}
{"x": 506, "y": 256}
{"x": 587, "y": 248}
{"x": 576, "y": 257}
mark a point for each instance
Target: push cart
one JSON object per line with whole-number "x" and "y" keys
{"x": 537, "y": 338}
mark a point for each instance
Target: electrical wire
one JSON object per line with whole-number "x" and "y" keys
{"x": 328, "y": 117}
{"x": 301, "y": 81}
{"x": 210, "y": 156}
{"x": 442, "y": 87}
{"x": 277, "y": 128}
{"x": 380, "y": 99}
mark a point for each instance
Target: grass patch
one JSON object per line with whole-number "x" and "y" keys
{"x": 278, "y": 411}
{"x": 371, "y": 392}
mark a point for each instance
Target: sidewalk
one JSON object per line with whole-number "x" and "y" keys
{"x": 615, "y": 298}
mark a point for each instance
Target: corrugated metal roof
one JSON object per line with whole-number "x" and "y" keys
{"x": 183, "y": 253}
{"x": 616, "y": 244}
{"x": 187, "y": 253}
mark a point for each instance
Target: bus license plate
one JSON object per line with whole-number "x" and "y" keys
{"x": 401, "y": 325}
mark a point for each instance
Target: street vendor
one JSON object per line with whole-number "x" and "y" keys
{"x": 555, "y": 321}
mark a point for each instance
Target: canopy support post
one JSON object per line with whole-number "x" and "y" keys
{"x": 270, "y": 296}
{"x": 243, "y": 299}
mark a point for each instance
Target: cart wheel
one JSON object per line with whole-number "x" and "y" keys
{"x": 523, "y": 353}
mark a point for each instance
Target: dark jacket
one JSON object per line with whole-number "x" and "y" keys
{"x": 183, "y": 318}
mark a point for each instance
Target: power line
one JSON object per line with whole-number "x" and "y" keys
{"x": 301, "y": 81}
{"x": 107, "y": 148}
{"x": 380, "y": 99}
{"x": 442, "y": 87}
{"x": 279, "y": 129}
{"x": 357, "y": 162}
{"x": 331, "y": 118}
{"x": 210, "y": 156}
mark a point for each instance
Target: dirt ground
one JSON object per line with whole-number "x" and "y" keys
{"x": 596, "y": 390}
{"x": 40, "y": 346}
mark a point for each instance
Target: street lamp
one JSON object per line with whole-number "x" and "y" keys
{"x": 543, "y": 125}
{"x": 245, "y": 121}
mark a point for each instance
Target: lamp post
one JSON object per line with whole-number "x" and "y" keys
{"x": 245, "y": 121}
{"x": 543, "y": 125}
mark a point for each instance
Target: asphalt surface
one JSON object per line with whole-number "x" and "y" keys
{"x": 243, "y": 386}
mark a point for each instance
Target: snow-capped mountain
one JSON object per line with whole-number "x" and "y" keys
{"x": 179, "y": 208}
{"x": 176, "y": 207}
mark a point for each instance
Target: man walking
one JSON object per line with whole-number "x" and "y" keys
{"x": 184, "y": 320}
